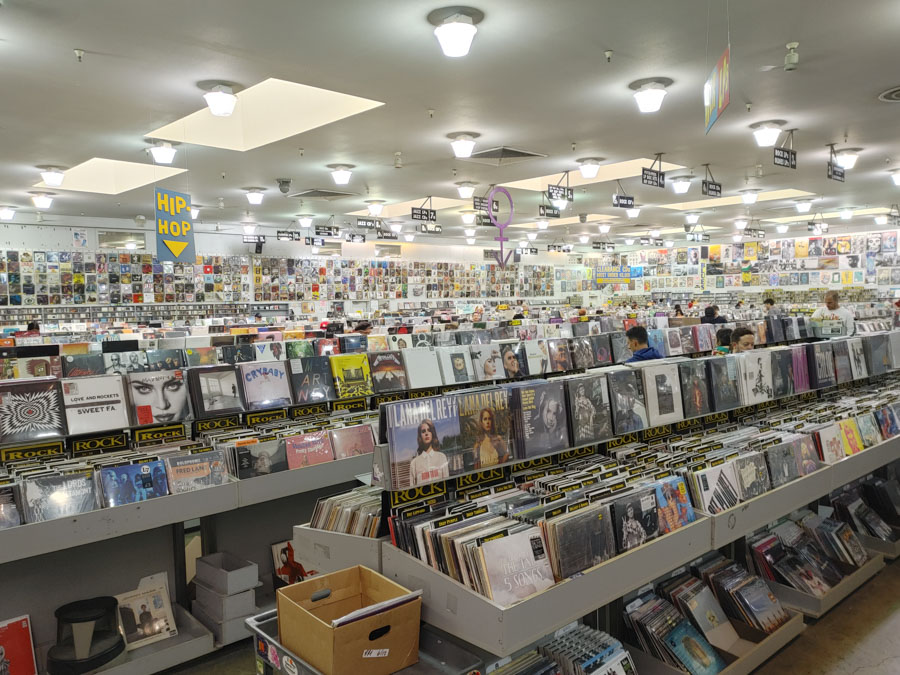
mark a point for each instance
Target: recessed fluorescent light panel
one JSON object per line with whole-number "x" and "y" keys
{"x": 269, "y": 111}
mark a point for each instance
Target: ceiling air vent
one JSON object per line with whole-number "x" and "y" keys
{"x": 316, "y": 193}
{"x": 892, "y": 95}
{"x": 503, "y": 156}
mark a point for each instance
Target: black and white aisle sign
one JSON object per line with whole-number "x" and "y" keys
{"x": 653, "y": 178}
{"x": 786, "y": 158}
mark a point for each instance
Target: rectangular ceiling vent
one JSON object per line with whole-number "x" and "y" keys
{"x": 503, "y": 156}
{"x": 316, "y": 193}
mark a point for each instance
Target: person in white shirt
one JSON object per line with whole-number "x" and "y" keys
{"x": 832, "y": 311}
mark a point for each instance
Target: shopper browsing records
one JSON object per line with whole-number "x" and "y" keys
{"x": 770, "y": 307}
{"x": 723, "y": 341}
{"x": 638, "y": 344}
{"x": 832, "y": 311}
{"x": 742, "y": 340}
{"x": 429, "y": 464}
{"x": 711, "y": 315}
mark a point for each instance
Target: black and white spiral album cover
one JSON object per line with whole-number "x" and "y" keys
{"x": 31, "y": 411}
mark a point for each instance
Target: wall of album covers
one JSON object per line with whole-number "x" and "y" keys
{"x": 840, "y": 260}
{"x": 36, "y": 278}
{"x": 344, "y": 279}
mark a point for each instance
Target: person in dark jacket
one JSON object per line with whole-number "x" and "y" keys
{"x": 637, "y": 343}
{"x": 711, "y": 315}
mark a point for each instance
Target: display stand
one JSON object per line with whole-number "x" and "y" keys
{"x": 25, "y": 541}
{"x": 889, "y": 549}
{"x": 749, "y": 516}
{"x": 193, "y": 641}
{"x": 865, "y": 462}
{"x": 767, "y": 645}
{"x": 460, "y": 611}
{"x": 815, "y": 607}
{"x": 332, "y": 551}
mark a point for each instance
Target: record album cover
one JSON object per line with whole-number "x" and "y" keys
{"x": 560, "y": 356}
{"x": 265, "y": 385}
{"x": 484, "y": 423}
{"x": 352, "y": 377}
{"x": 424, "y": 440}
{"x": 694, "y": 389}
{"x": 514, "y": 360}
{"x": 539, "y": 410}
{"x": 388, "y": 373}
{"x": 58, "y": 496}
{"x": 159, "y": 397}
{"x": 662, "y": 392}
{"x": 187, "y": 473}
{"x": 82, "y": 365}
{"x": 259, "y": 459}
{"x": 352, "y": 441}
{"x": 30, "y": 411}
{"x": 95, "y": 404}
{"x": 131, "y": 483}
{"x": 626, "y": 396}
{"x": 636, "y": 519}
{"x": 724, "y": 382}
{"x": 17, "y": 647}
{"x": 455, "y": 364}
{"x": 422, "y": 369}
{"x": 486, "y": 362}
{"x": 308, "y": 449}
{"x": 311, "y": 380}
{"x": 517, "y": 566}
{"x": 590, "y": 418}
{"x": 146, "y": 613}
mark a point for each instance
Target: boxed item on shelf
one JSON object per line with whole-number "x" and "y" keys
{"x": 227, "y": 574}
{"x": 225, "y": 631}
{"x": 224, "y": 607}
{"x": 351, "y": 621}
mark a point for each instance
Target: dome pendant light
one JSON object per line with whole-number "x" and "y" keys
{"x": 255, "y": 196}
{"x": 42, "y": 200}
{"x": 341, "y": 173}
{"x": 163, "y": 152}
{"x": 466, "y": 189}
{"x": 649, "y": 93}
{"x": 455, "y": 28}
{"x": 749, "y": 196}
{"x": 305, "y": 220}
{"x": 804, "y": 205}
{"x": 767, "y": 133}
{"x": 52, "y": 176}
{"x": 846, "y": 159}
{"x": 221, "y": 100}
{"x": 375, "y": 206}
{"x": 7, "y": 213}
{"x": 589, "y": 167}
{"x": 463, "y": 143}
{"x": 681, "y": 184}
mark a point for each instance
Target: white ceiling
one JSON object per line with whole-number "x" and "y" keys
{"x": 535, "y": 79}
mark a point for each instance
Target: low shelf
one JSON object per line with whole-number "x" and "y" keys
{"x": 456, "y": 609}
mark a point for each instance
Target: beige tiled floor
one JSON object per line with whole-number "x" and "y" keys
{"x": 861, "y": 636}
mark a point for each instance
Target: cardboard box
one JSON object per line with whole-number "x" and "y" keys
{"x": 224, "y": 607}
{"x": 227, "y": 574}
{"x": 375, "y": 645}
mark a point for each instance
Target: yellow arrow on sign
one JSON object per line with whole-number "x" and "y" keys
{"x": 176, "y": 247}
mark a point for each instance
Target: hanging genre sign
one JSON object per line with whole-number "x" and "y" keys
{"x": 481, "y": 204}
{"x": 174, "y": 232}
{"x": 430, "y": 228}
{"x": 653, "y": 178}
{"x": 835, "y": 172}
{"x": 527, "y": 251}
{"x": 623, "y": 201}
{"x": 547, "y": 211}
{"x": 786, "y": 158}
{"x": 482, "y": 220}
{"x": 559, "y": 248}
{"x": 717, "y": 90}
{"x": 367, "y": 223}
{"x": 755, "y": 234}
{"x": 254, "y": 239}
{"x": 314, "y": 241}
{"x": 560, "y": 192}
{"x": 385, "y": 234}
{"x": 327, "y": 231}
{"x": 428, "y": 215}
{"x": 711, "y": 189}
{"x": 355, "y": 238}
{"x": 289, "y": 235}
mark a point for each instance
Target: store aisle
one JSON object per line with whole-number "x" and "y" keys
{"x": 858, "y": 637}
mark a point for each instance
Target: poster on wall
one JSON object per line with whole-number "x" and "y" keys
{"x": 79, "y": 239}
